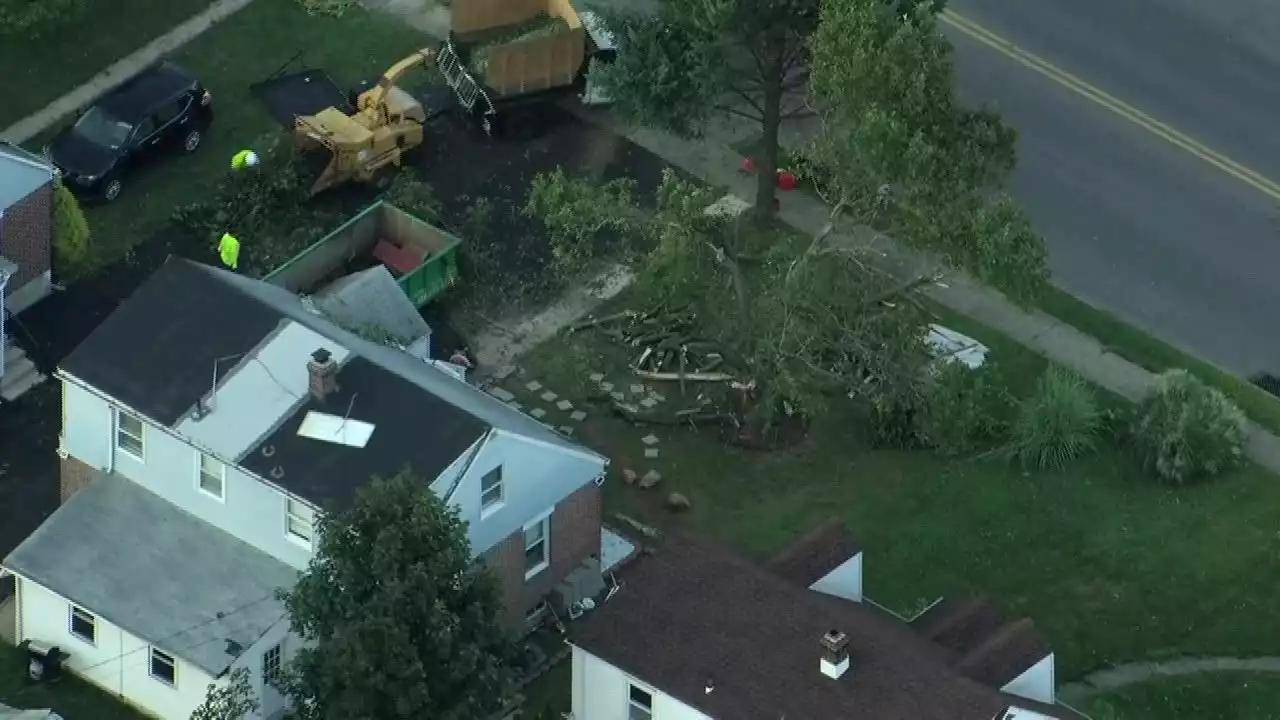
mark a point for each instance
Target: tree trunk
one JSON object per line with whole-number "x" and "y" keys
{"x": 770, "y": 123}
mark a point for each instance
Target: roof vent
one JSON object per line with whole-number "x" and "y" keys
{"x": 835, "y": 654}
{"x": 711, "y": 685}
{"x": 322, "y": 374}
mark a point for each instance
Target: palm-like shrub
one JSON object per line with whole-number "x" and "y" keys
{"x": 1187, "y": 431}
{"x": 1057, "y": 424}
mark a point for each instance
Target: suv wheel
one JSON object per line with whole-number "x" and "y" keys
{"x": 192, "y": 141}
{"x": 111, "y": 189}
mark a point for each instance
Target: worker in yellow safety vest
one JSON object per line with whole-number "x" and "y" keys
{"x": 244, "y": 159}
{"x": 229, "y": 250}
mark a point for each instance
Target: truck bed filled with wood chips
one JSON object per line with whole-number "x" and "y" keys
{"x": 520, "y": 46}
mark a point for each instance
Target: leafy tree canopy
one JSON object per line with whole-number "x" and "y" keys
{"x": 398, "y": 619}
{"x": 231, "y": 701}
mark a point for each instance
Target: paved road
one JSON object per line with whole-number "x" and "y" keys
{"x": 1134, "y": 223}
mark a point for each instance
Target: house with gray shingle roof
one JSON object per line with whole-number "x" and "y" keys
{"x": 208, "y": 422}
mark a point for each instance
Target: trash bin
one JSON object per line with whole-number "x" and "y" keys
{"x": 44, "y": 662}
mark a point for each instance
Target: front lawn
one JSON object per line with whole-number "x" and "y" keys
{"x": 246, "y": 48}
{"x": 53, "y": 57}
{"x": 1111, "y": 566}
{"x": 69, "y": 696}
{"x": 1212, "y": 696}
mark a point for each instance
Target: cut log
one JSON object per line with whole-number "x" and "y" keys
{"x": 691, "y": 377}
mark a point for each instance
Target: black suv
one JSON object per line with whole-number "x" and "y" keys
{"x": 163, "y": 109}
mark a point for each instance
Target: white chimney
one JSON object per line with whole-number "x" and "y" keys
{"x": 835, "y": 654}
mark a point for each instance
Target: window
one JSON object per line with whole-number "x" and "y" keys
{"x": 213, "y": 475}
{"x": 130, "y": 434}
{"x": 271, "y": 664}
{"x": 163, "y": 667}
{"x": 640, "y": 704}
{"x": 145, "y": 129}
{"x": 84, "y": 625}
{"x": 491, "y": 490}
{"x": 299, "y": 521}
{"x": 536, "y": 555}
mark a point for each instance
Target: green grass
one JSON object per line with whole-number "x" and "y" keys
{"x": 51, "y": 60}
{"x": 1142, "y": 349}
{"x": 1111, "y": 566}
{"x": 1212, "y": 696}
{"x": 71, "y": 697}
{"x": 244, "y": 49}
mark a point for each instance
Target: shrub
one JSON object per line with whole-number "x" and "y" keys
{"x": 37, "y": 17}
{"x": 72, "y": 250}
{"x": 1058, "y": 424}
{"x": 893, "y": 424}
{"x": 964, "y": 409}
{"x": 331, "y": 8}
{"x": 1186, "y": 430}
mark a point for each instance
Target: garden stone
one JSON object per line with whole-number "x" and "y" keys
{"x": 516, "y": 406}
{"x": 538, "y": 413}
{"x": 549, "y": 396}
{"x": 564, "y": 405}
{"x": 649, "y": 439}
{"x": 651, "y": 453}
{"x": 677, "y": 502}
{"x": 637, "y": 389}
{"x": 502, "y": 394}
{"x": 577, "y": 416}
{"x": 629, "y": 476}
{"x": 606, "y": 386}
{"x": 596, "y": 377}
{"x": 651, "y": 478}
{"x": 617, "y": 396}
{"x": 658, "y": 397}
{"x": 648, "y": 402}
{"x": 565, "y": 430}
{"x": 533, "y": 386}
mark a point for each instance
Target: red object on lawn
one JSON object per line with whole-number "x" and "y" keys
{"x": 786, "y": 180}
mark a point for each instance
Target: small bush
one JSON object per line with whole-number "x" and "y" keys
{"x": 1058, "y": 424}
{"x": 965, "y": 409}
{"x": 893, "y": 425}
{"x": 331, "y": 8}
{"x": 72, "y": 249}
{"x": 1187, "y": 431}
{"x": 37, "y": 17}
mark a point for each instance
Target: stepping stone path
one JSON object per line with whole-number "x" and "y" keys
{"x": 649, "y": 402}
{"x": 549, "y": 396}
{"x": 651, "y": 453}
{"x": 657, "y": 398}
{"x": 617, "y": 396}
{"x": 538, "y": 413}
{"x": 651, "y": 478}
{"x": 577, "y": 416}
{"x": 606, "y": 386}
{"x": 596, "y": 377}
{"x": 565, "y": 430}
{"x": 649, "y": 439}
{"x": 501, "y": 394}
{"x": 533, "y": 386}
{"x": 565, "y": 405}
{"x": 516, "y": 406}
{"x": 637, "y": 389}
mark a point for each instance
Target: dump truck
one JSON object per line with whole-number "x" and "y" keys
{"x": 381, "y": 240}
{"x": 506, "y": 60}
{"x": 342, "y": 137}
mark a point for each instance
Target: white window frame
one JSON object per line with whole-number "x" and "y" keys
{"x": 72, "y": 611}
{"x": 636, "y": 711}
{"x": 298, "y": 512}
{"x": 165, "y": 658}
{"x": 491, "y": 504}
{"x": 141, "y": 455}
{"x": 272, "y": 660}
{"x": 221, "y": 476}
{"x": 545, "y": 523}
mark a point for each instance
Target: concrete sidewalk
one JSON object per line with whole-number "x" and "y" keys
{"x": 119, "y": 71}
{"x": 717, "y": 163}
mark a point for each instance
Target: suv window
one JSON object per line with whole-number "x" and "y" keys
{"x": 172, "y": 110}
{"x": 146, "y": 128}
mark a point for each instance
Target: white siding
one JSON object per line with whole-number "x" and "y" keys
{"x": 601, "y": 691}
{"x": 1036, "y": 683}
{"x": 271, "y": 702}
{"x": 118, "y": 662}
{"x": 250, "y": 509}
{"x": 535, "y": 477}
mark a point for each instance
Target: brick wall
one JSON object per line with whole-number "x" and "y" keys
{"x": 26, "y": 235}
{"x": 575, "y": 535}
{"x": 74, "y": 476}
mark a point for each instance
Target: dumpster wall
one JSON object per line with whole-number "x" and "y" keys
{"x": 309, "y": 267}
{"x": 525, "y": 65}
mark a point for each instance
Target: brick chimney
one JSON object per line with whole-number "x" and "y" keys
{"x": 322, "y": 374}
{"x": 835, "y": 654}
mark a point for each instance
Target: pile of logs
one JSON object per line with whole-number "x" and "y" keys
{"x": 667, "y": 347}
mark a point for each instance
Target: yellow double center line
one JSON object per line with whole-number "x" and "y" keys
{"x": 1110, "y": 102}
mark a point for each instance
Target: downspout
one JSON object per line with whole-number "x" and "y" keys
{"x": 5, "y": 274}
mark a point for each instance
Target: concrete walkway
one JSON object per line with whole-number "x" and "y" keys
{"x": 118, "y": 72}
{"x": 717, "y": 163}
{"x": 1133, "y": 673}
